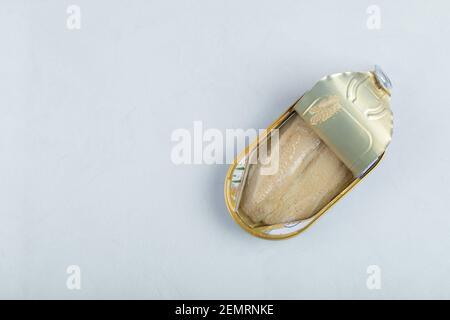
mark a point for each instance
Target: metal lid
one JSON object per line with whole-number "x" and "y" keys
{"x": 351, "y": 113}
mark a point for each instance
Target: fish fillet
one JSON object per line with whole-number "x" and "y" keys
{"x": 309, "y": 175}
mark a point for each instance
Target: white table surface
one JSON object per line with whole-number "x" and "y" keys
{"x": 86, "y": 177}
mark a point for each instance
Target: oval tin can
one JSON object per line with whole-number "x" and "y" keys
{"x": 344, "y": 124}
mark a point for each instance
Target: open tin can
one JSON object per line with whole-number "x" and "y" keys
{"x": 314, "y": 153}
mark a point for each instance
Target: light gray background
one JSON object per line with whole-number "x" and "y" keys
{"x": 85, "y": 171}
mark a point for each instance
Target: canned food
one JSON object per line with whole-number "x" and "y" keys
{"x": 312, "y": 155}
